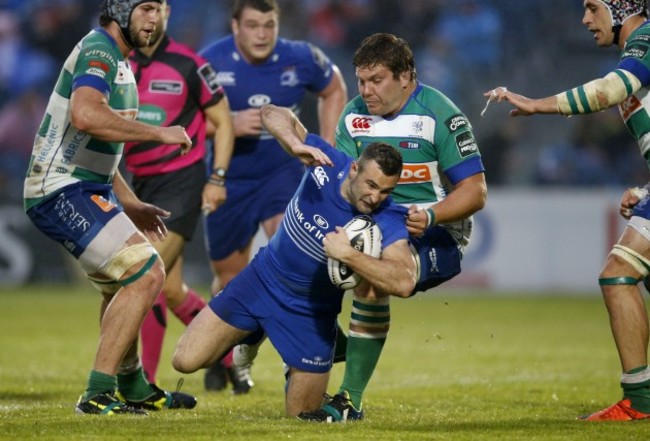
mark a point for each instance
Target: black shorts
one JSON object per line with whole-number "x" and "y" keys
{"x": 178, "y": 192}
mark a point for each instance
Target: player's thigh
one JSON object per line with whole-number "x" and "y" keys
{"x": 170, "y": 248}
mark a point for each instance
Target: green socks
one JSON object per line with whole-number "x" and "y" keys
{"x": 636, "y": 387}
{"x": 134, "y": 386}
{"x": 99, "y": 382}
{"x": 362, "y": 357}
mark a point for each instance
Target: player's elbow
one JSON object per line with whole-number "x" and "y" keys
{"x": 405, "y": 286}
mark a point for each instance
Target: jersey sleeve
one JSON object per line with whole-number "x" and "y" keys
{"x": 321, "y": 68}
{"x": 392, "y": 223}
{"x": 459, "y": 153}
{"x": 635, "y": 58}
{"x": 96, "y": 67}
{"x": 209, "y": 91}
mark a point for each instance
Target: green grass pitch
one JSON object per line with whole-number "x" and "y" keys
{"x": 457, "y": 366}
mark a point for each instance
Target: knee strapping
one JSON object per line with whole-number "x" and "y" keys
{"x": 635, "y": 260}
{"x": 121, "y": 262}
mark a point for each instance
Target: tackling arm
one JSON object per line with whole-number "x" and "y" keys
{"x": 283, "y": 124}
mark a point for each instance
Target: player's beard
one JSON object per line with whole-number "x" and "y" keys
{"x": 139, "y": 39}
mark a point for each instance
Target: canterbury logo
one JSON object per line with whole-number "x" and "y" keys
{"x": 361, "y": 123}
{"x": 102, "y": 203}
{"x": 321, "y": 176}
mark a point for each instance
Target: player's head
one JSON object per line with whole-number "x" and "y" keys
{"x": 255, "y": 25}
{"x": 161, "y": 24}
{"x": 618, "y": 11}
{"x": 121, "y": 12}
{"x": 385, "y": 70}
{"x": 373, "y": 176}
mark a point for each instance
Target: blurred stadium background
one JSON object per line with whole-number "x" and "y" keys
{"x": 554, "y": 183}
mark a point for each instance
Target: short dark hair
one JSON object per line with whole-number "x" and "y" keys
{"x": 386, "y": 156}
{"x": 388, "y": 50}
{"x": 259, "y": 5}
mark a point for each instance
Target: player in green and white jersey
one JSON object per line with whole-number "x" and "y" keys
{"x": 70, "y": 195}
{"x": 622, "y": 23}
{"x": 442, "y": 183}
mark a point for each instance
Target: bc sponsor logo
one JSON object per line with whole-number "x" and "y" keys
{"x": 415, "y": 174}
{"x": 466, "y": 144}
{"x": 456, "y": 122}
{"x": 629, "y": 106}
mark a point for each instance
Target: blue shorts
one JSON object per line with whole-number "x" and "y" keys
{"x": 87, "y": 221}
{"x": 439, "y": 258}
{"x": 232, "y": 227}
{"x": 250, "y": 303}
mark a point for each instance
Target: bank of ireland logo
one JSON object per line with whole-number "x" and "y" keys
{"x": 321, "y": 222}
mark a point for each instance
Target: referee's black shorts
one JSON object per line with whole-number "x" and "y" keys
{"x": 178, "y": 192}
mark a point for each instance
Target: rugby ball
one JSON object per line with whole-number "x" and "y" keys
{"x": 365, "y": 236}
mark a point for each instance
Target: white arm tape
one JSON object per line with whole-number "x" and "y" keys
{"x": 599, "y": 94}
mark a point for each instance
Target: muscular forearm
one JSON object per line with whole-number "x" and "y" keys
{"x": 91, "y": 114}
{"x": 284, "y": 126}
{"x": 224, "y": 137}
{"x": 393, "y": 275}
{"x": 468, "y": 197}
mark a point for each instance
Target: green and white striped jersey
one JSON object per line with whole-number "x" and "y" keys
{"x": 63, "y": 155}
{"x": 435, "y": 138}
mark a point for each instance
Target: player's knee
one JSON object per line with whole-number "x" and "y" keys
{"x": 129, "y": 265}
{"x": 181, "y": 360}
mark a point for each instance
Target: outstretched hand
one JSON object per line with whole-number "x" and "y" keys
{"x": 311, "y": 156}
{"x": 147, "y": 218}
{"x": 523, "y": 106}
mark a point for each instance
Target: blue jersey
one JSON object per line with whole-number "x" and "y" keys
{"x": 295, "y": 256}
{"x": 293, "y": 68}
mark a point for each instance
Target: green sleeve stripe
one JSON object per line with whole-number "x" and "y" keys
{"x": 626, "y": 81}
{"x": 572, "y": 102}
{"x": 583, "y": 99}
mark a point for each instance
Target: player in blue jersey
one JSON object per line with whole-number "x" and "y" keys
{"x": 70, "y": 192}
{"x": 286, "y": 291}
{"x": 255, "y": 67}
{"x": 442, "y": 184}
{"x": 623, "y": 23}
